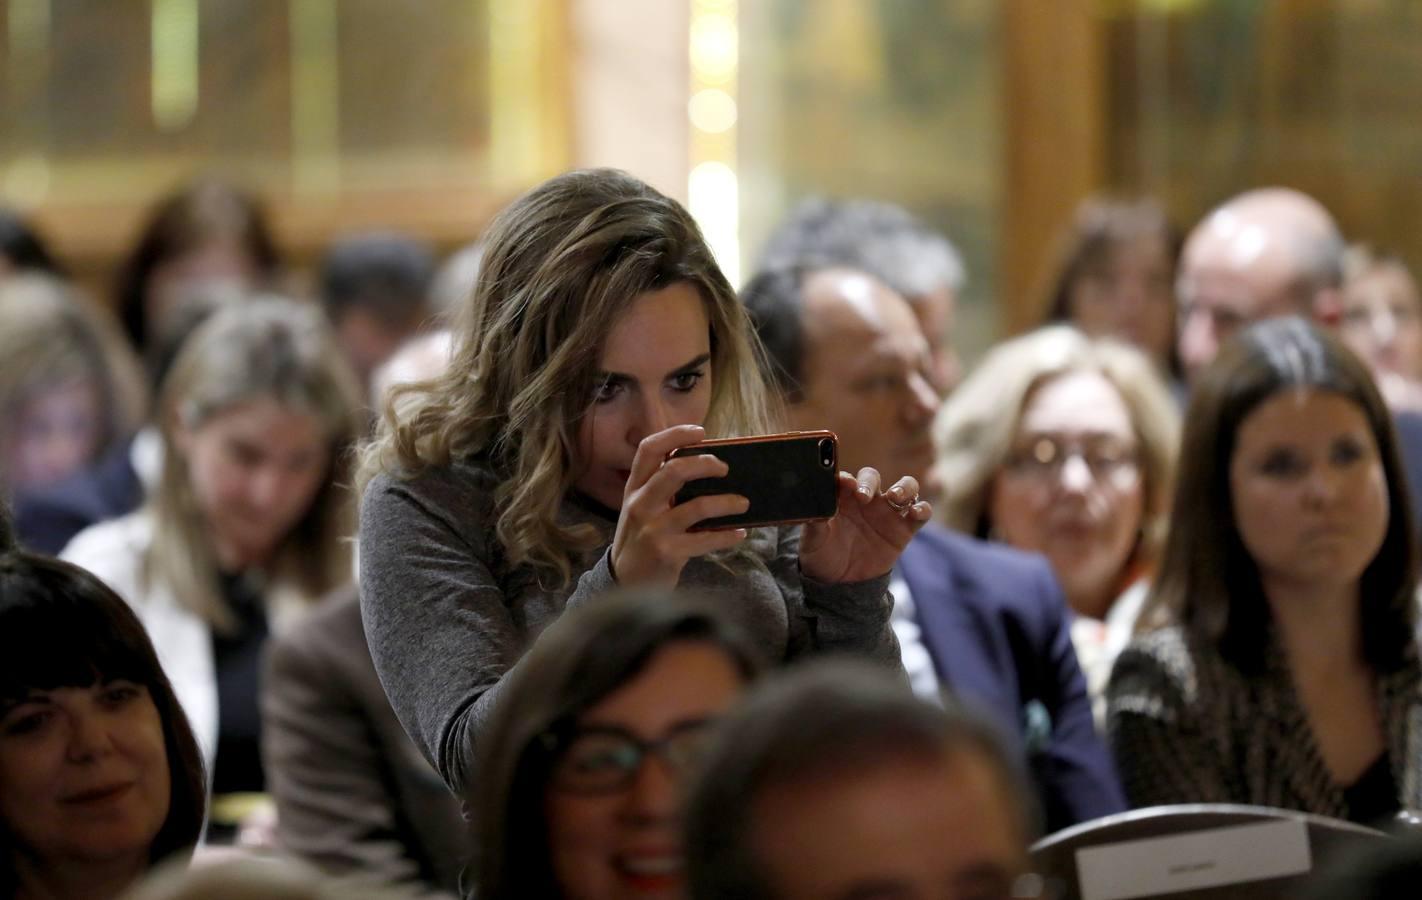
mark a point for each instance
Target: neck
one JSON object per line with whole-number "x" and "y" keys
{"x": 69, "y": 880}
{"x": 1317, "y": 623}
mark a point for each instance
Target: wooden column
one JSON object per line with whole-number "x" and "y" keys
{"x": 1053, "y": 119}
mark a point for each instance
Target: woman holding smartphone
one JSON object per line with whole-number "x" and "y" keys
{"x": 531, "y": 476}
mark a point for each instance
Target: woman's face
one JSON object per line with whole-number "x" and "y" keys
{"x": 1129, "y": 297}
{"x": 1382, "y": 320}
{"x": 55, "y": 432}
{"x": 621, "y": 840}
{"x": 218, "y": 261}
{"x": 84, "y": 774}
{"x": 655, "y": 372}
{"x": 1071, "y": 487}
{"x": 254, "y": 469}
{"x": 1308, "y": 489}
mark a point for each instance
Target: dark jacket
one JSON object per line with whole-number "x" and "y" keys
{"x": 353, "y": 793}
{"x": 996, "y": 624}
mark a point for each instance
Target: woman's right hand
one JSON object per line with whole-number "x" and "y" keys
{"x": 652, "y": 542}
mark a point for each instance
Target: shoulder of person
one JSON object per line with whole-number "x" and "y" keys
{"x": 455, "y": 489}
{"x": 115, "y": 546}
{"x": 1161, "y": 662}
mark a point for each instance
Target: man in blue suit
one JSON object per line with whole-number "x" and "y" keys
{"x": 980, "y": 622}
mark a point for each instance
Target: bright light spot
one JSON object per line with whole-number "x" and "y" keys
{"x": 714, "y": 47}
{"x": 712, "y": 110}
{"x": 714, "y": 202}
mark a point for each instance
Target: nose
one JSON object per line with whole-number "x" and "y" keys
{"x": 1323, "y": 486}
{"x": 1076, "y": 474}
{"x": 922, "y": 401}
{"x": 266, "y": 487}
{"x": 651, "y": 417}
{"x": 1383, "y": 326}
{"x": 655, "y": 795}
{"x": 88, "y": 738}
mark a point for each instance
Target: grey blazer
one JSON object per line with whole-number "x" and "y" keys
{"x": 1188, "y": 727}
{"x": 353, "y": 793}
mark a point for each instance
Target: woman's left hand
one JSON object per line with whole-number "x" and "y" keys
{"x": 867, "y": 534}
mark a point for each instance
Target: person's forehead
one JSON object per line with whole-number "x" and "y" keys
{"x": 846, "y": 304}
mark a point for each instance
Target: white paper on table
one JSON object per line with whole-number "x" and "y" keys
{"x": 1201, "y": 859}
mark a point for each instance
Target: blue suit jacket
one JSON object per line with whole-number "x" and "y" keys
{"x": 996, "y": 625}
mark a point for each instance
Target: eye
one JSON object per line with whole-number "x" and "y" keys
{"x": 686, "y": 381}
{"x": 606, "y": 391}
{"x": 1283, "y": 464}
{"x": 1346, "y": 451}
{"x": 28, "y": 721}
{"x": 120, "y": 693}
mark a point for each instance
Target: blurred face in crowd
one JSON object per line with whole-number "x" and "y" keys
{"x": 367, "y": 341}
{"x": 1308, "y": 489}
{"x": 866, "y": 375}
{"x": 218, "y": 261}
{"x": 1071, "y": 487}
{"x": 913, "y": 829}
{"x": 1382, "y": 320}
{"x": 613, "y": 806}
{"x": 56, "y": 431}
{"x": 1128, "y": 295}
{"x": 83, "y": 775}
{"x": 655, "y": 372}
{"x": 255, "y": 469}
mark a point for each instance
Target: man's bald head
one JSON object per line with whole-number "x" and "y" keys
{"x": 1267, "y": 252}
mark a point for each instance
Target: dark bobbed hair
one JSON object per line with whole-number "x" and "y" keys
{"x": 61, "y": 627}
{"x": 774, "y": 299}
{"x": 204, "y": 210}
{"x": 22, "y": 246}
{"x": 583, "y": 657}
{"x": 1099, "y": 226}
{"x": 385, "y": 273}
{"x": 1207, "y": 580}
{"x": 823, "y": 720}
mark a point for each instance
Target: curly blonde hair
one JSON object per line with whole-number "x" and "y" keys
{"x": 975, "y": 428}
{"x": 560, "y": 265}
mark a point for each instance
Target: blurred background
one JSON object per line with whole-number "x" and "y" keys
{"x": 989, "y": 118}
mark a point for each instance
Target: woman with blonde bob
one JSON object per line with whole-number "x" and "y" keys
{"x": 69, "y": 386}
{"x": 1065, "y": 445}
{"x": 247, "y": 525}
{"x": 530, "y": 477}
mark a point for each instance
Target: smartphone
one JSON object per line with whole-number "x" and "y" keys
{"x": 788, "y": 478}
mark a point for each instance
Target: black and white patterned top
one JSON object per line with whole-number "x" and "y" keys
{"x": 1186, "y": 726}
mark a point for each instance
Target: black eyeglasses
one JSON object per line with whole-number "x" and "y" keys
{"x": 604, "y": 758}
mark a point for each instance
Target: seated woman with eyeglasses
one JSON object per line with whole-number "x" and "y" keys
{"x": 1286, "y": 672}
{"x": 1065, "y": 445}
{"x": 579, "y": 788}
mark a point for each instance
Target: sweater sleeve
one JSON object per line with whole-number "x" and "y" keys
{"x": 442, "y": 633}
{"x": 1162, "y": 753}
{"x": 834, "y": 618}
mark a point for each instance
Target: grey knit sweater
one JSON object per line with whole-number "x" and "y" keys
{"x": 447, "y": 619}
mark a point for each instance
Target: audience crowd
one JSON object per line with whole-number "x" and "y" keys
{"x": 403, "y": 588}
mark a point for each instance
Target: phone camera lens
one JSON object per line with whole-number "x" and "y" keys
{"x": 827, "y": 453}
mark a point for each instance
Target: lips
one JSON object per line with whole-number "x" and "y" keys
{"x": 650, "y": 872}
{"x": 98, "y": 795}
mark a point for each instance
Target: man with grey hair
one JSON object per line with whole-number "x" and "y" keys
{"x": 888, "y": 242}
{"x": 833, "y": 781}
{"x": 1267, "y": 252}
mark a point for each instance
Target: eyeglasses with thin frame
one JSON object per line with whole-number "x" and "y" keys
{"x": 602, "y": 759}
{"x": 1042, "y": 459}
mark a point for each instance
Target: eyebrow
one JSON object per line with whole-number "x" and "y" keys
{"x": 683, "y": 369}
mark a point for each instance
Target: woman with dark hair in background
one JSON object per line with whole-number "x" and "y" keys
{"x": 532, "y": 476}
{"x": 570, "y": 802}
{"x": 100, "y": 776}
{"x": 1287, "y": 674}
{"x": 204, "y": 231}
{"x": 1115, "y": 276}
